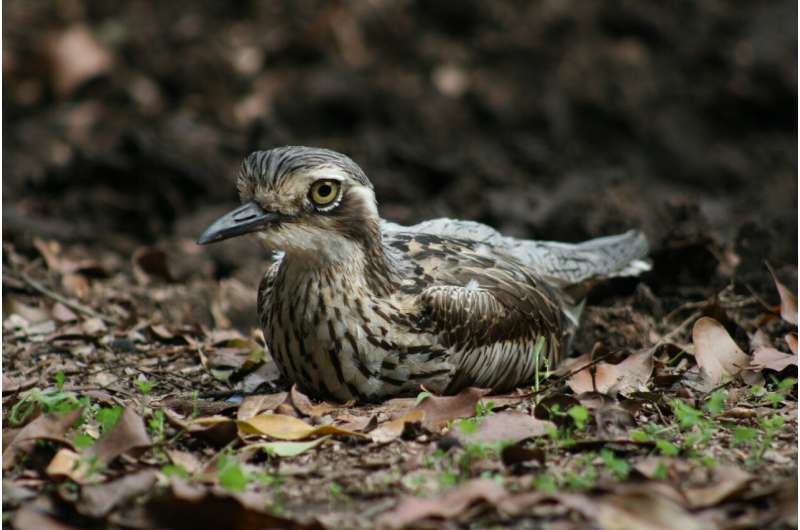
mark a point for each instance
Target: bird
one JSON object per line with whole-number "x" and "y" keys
{"x": 357, "y": 308}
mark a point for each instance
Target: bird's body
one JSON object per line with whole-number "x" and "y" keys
{"x": 359, "y": 308}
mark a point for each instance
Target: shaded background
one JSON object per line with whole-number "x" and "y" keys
{"x": 125, "y": 123}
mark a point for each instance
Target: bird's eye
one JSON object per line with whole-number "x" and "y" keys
{"x": 324, "y": 192}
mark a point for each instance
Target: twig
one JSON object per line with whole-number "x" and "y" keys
{"x": 75, "y": 306}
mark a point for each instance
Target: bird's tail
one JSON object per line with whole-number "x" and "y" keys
{"x": 567, "y": 264}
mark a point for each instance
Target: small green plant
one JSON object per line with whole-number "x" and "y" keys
{"x": 538, "y": 348}
{"x": 716, "y": 402}
{"x": 145, "y": 386}
{"x": 579, "y": 415}
{"x": 484, "y": 409}
{"x": 545, "y": 483}
{"x": 231, "y": 474}
{"x": 107, "y": 417}
{"x": 48, "y": 401}
{"x": 82, "y": 441}
{"x": 422, "y": 396}
{"x": 60, "y": 380}
{"x": 618, "y": 466}
{"x": 156, "y": 424}
{"x": 175, "y": 470}
{"x": 667, "y": 448}
{"x": 335, "y": 489}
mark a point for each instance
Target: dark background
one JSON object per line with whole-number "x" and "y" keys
{"x": 125, "y": 122}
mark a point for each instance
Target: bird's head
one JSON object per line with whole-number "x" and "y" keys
{"x": 304, "y": 201}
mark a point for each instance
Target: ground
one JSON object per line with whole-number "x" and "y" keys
{"x": 137, "y": 391}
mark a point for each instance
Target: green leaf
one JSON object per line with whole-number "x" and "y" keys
{"x": 467, "y": 425}
{"x": 716, "y": 402}
{"x": 231, "y": 475}
{"x": 618, "y": 466}
{"x": 545, "y": 483}
{"x": 145, "y": 386}
{"x": 422, "y": 396}
{"x": 60, "y": 380}
{"x": 175, "y": 469}
{"x": 660, "y": 472}
{"x": 742, "y": 435}
{"x": 579, "y": 414}
{"x": 667, "y": 448}
{"x": 108, "y": 417}
{"x": 82, "y": 441}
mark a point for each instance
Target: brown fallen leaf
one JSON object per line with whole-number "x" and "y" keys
{"x": 388, "y": 431}
{"x": 771, "y": 359}
{"x": 98, "y": 500}
{"x": 630, "y": 375}
{"x": 76, "y": 57}
{"x": 724, "y": 482}
{"x": 50, "y": 426}
{"x": 253, "y": 405}
{"x": 717, "y": 355}
{"x": 186, "y": 460}
{"x": 220, "y": 430}
{"x": 788, "y": 300}
{"x": 508, "y": 426}
{"x": 641, "y": 508}
{"x": 285, "y": 427}
{"x": 303, "y": 404}
{"x": 412, "y": 510}
{"x": 68, "y": 464}
{"x": 189, "y": 507}
{"x": 791, "y": 340}
{"x": 30, "y": 518}
{"x": 441, "y": 409}
{"x": 127, "y": 434}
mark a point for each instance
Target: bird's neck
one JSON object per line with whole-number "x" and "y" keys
{"x": 362, "y": 263}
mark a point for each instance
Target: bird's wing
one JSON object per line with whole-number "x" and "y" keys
{"x": 493, "y": 330}
{"x": 562, "y": 264}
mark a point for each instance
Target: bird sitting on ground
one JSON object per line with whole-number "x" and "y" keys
{"x": 357, "y": 308}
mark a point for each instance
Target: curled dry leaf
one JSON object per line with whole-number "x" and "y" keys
{"x": 287, "y": 428}
{"x": 788, "y": 300}
{"x": 454, "y": 502}
{"x": 98, "y": 500}
{"x": 253, "y": 405}
{"x": 724, "y": 481}
{"x": 68, "y": 464}
{"x": 128, "y": 434}
{"x": 441, "y": 409}
{"x": 641, "y": 508}
{"x": 50, "y": 426}
{"x": 506, "y": 426}
{"x": 630, "y": 375}
{"x": 303, "y": 404}
{"x": 390, "y": 430}
{"x": 718, "y": 356}
{"x": 772, "y": 359}
{"x": 791, "y": 340}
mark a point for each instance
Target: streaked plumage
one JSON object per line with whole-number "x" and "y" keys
{"x": 360, "y": 308}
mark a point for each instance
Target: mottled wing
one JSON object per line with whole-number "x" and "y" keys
{"x": 489, "y": 312}
{"x": 561, "y": 264}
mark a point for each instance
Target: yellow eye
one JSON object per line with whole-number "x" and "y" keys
{"x": 324, "y": 192}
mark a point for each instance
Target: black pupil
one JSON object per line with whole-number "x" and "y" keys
{"x": 324, "y": 190}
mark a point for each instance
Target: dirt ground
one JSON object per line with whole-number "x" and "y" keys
{"x": 136, "y": 388}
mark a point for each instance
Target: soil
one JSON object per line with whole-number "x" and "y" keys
{"x": 125, "y": 124}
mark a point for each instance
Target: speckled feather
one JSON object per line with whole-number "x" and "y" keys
{"x": 359, "y": 308}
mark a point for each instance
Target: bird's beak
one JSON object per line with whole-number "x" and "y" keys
{"x": 248, "y": 217}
